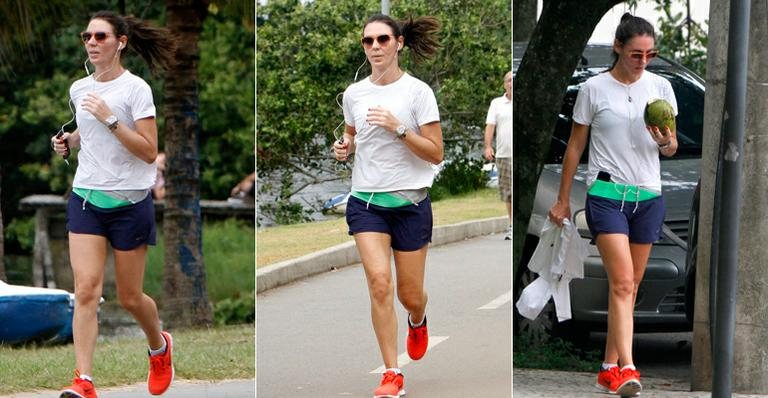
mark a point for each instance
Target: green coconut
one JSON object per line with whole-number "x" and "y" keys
{"x": 659, "y": 113}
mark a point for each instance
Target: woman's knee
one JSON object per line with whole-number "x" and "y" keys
{"x": 411, "y": 298}
{"x": 87, "y": 294}
{"x": 623, "y": 287}
{"x": 131, "y": 301}
{"x": 380, "y": 288}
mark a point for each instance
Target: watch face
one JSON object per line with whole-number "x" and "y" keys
{"x": 111, "y": 119}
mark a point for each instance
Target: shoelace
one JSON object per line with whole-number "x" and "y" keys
{"x": 157, "y": 363}
{"x": 389, "y": 378}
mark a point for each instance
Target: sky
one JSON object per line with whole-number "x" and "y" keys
{"x": 606, "y": 29}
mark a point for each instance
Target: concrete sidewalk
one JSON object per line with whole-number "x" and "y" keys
{"x": 345, "y": 254}
{"x": 536, "y": 383}
{"x": 179, "y": 389}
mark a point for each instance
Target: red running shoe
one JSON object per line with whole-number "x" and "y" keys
{"x": 417, "y": 340}
{"x": 391, "y": 386}
{"x": 628, "y": 383}
{"x": 606, "y": 378}
{"x": 80, "y": 388}
{"x": 161, "y": 368}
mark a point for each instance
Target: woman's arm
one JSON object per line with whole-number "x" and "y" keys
{"x": 143, "y": 142}
{"x": 576, "y": 144}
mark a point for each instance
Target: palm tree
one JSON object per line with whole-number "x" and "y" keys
{"x": 185, "y": 302}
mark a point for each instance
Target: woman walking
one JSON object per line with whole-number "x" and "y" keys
{"x": 111, "y": 201}
{"x": 624, "y": 206}
{"x": 392, "y": 124}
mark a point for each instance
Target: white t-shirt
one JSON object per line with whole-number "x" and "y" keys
{"x": 383, "y": 163}
{"x": 500, "y": 114}
{"x": 619, "y": 142}
{"x": 103, "y": 162}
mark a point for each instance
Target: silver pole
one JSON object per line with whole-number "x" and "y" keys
{"x": 385, "y": 7}
{"x": 730, "y": 158}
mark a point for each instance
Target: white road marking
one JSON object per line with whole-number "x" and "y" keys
{"x": 498, "y": 301}
{"x": 403, "y": 359}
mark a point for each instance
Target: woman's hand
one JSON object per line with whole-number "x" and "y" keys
{"x": 341, "y": 149}
{"x": 662, "y": 138}
{"x": 559, "y": 212}
{"x": 97, "y": 107}
{"x": 381, "y": 117}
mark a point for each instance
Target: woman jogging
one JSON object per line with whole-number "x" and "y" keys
{"x": 393, "y": 126}
{"x": 111, "y": 201}
{"x": 624, "y": 206}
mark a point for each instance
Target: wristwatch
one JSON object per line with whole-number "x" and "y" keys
{"x": 112, "y": 122}
{"x": 401, "y": 131}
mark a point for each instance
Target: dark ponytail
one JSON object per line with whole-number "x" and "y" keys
{"x": 419, "y": 34}
{"x": 156, "y": 45}
{"x": 629, "y": 27}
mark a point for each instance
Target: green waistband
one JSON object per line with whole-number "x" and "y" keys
{"x": 610, "y": 190}
{"x": 383, "y": 199}
{"x": 99, "y": 198}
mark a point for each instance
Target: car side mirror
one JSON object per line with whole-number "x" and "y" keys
{"x": 580, "y": 220}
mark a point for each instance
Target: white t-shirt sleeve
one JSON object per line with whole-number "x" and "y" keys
{"x": 425, "y": 108}
{"x": 349, "y": 117}
{"x": 584, "y": 109}
{"x": 141, "y": 102}
{"x": 491, "y": 117}
{"x": 669, "y": 94}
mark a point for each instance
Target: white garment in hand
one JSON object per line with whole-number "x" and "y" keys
{"x": 558, "y": 258}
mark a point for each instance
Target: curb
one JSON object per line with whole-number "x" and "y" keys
{"x": 345, "y": 254}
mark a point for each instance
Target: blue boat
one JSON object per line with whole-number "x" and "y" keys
{"x": 336, "y": 204}
{"x": 35, "y": 314}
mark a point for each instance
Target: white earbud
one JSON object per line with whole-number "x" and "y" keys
{"x": 399, "y": 47}
{"x": 120, "y": 47}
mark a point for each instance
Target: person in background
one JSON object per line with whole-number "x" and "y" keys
{"x": 158, "y": 190}
{"x": 499, "y": 120}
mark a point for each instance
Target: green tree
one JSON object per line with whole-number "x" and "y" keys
{"x": 308, "y": 53}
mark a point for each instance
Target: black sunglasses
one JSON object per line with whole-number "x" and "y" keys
{"x": 99, "y": 36}
{"x": 383, "y": 40}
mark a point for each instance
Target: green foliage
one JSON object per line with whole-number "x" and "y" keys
{"x": 227, "y": 95}
{"x": 682, "y": 38}
{"x": 21, "y": 231}
{"x": 236, "y": 310}
{"x": 229, "y": 248}
{"x": 556, "y": 355}
{"x": 458, "y": 176}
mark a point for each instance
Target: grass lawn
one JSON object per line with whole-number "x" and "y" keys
{"x": 205, "y": 354}
{"x": 284, "y": 242}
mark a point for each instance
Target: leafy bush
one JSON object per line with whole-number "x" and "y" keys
{"x": 21, "y": 230}
{"x": 458, "y": 176}
{"x": 236, "y": 310}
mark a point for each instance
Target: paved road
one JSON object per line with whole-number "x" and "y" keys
{"x": 314, "y": 337}
{"x": 179, "y": 389}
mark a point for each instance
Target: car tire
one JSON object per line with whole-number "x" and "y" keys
{"x": 545, "y": 326}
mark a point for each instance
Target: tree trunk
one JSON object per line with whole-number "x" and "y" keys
{"x": 523, "y": 19}
{"x": 186, "y": 299}
{"x": 553, "y": 53}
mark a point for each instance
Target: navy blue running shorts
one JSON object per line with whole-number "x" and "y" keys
{"x": 410, "y": 227}
{"x": 126, "y": 227}
{"x": 641, "y": 224}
